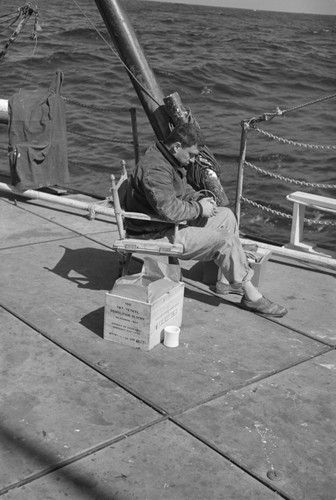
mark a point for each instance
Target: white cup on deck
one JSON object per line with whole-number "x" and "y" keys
{"x": 171, "y": 336}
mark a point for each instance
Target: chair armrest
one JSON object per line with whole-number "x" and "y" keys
{"x": 141, "y": 216}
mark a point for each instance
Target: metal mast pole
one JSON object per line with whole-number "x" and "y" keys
{"x": 140, "y": 72}
{"x": 240, "y": 177}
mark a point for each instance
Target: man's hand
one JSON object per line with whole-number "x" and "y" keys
{"x": 208, "y": 206}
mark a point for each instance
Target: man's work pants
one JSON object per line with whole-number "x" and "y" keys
{"x": 213, "y": 239}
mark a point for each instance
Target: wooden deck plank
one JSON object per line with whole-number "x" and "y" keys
{"x": 71, "y": 218}
{"x": 62, "y": 292}
{"x": 57, "y": 287}
{"x": 162, "y": 462}
{"x": 281, "y": 429}
{"x": 18, "y": 227}
{"x": 54, "y": 407}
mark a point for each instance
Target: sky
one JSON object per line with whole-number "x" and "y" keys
{"x": 326, "y": 7}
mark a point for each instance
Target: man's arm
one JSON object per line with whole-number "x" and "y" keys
{"x": 159, "y": 189}
{"x": 192, "y": 195}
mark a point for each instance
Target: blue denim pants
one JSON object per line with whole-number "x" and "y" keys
{"x": 213, "y": 239}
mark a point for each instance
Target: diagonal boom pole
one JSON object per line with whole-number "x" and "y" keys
{"x": 140, "y": 72}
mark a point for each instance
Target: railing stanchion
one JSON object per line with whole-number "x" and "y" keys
{"x": 240, "y": 176}
{"x": 135, "y": 134}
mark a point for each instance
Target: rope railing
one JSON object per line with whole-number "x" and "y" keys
{"x": 289, "y": 179}
{"x": 289, "y": 141}
{"x": 132, "y": 110}
{"x": 278, "y": 112}
{"x": 80, "y": 134}
{"x": 250, "y": 125}
{"x": 287, "y": 216}
{"x": 102, "y": 109}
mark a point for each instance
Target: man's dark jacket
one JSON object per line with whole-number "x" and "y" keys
{"x": 158, "y": 187}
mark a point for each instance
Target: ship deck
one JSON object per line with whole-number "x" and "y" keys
{"x": 243, "y": 408}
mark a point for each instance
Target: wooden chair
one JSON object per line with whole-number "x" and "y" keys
{"x": 127, "y": 246}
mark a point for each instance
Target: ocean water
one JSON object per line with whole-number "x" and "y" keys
{"x": 227, "y": 65}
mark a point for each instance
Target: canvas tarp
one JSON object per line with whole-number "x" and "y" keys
{"x": 37, "y": 137}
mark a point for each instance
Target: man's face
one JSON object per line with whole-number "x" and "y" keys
{"x": 184, "y": 155}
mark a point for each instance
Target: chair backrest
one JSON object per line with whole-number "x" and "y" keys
{"x": 122, "y": 185}
{"x": 119, "y": 191}
{"x": 128, "y": 245}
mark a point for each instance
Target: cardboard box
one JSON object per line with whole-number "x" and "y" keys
{"x": 139, "y": 307}
{"x": 259, "y": 265}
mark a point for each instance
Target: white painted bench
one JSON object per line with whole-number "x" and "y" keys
{"x": 301, "y": 201}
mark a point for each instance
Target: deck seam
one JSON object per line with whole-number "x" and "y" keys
{"x": 44, "y": 242}
{"x": 238, "y": 387}
{"x": 88, "y": 363}
{"x": 144, "y": 399}
{"x": 26, "y": 209}
{"x": 165, "y": 415}
{"x": 84, "y": 454}
{"x": 77, "y": 233}
{"x": 232, "y": 460}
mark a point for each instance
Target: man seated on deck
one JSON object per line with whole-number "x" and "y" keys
{"x": 158, "y": 186}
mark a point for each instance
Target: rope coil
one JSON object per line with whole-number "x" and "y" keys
{"x": 25, "y": 12}
{"x": 92, "y": 207}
